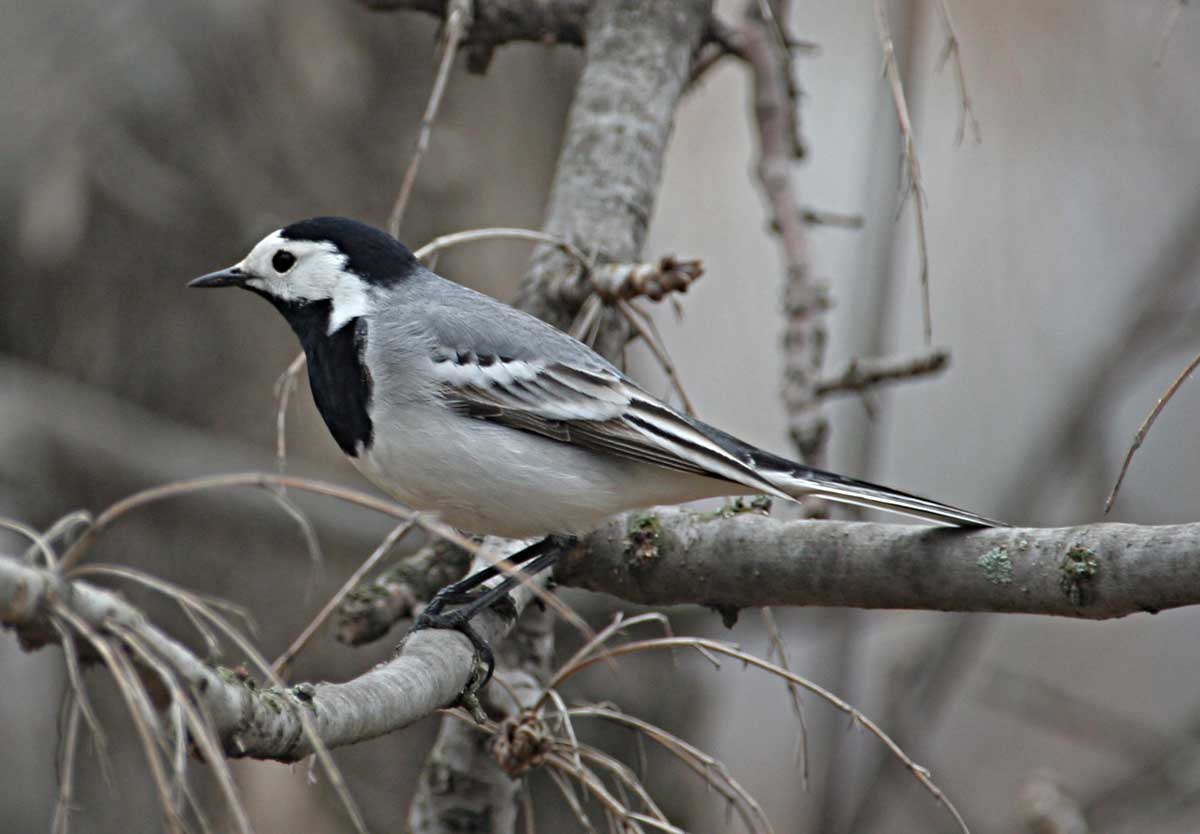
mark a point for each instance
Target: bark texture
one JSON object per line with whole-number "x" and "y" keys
{"x": 638, "y": 59}
{"x": 733, "y": 561}
{"x": 253, "y": 721}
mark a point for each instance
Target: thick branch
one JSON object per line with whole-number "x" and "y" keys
{"x": 432, "y": 670}
{"x": 1096, "y": 571}
{"x": 638, "y": 57}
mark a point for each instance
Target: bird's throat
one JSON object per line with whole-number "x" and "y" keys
{"x": 337, "y": 373}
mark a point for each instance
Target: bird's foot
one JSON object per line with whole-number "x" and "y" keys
{"x": 460, "y": 621}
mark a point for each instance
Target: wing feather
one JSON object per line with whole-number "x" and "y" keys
{"x": 595, "y": 409}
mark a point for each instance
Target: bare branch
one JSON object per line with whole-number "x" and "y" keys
{"x": 659, "y": 350}
{"x": 430, "y": 672}
{"x": 820, "y": 217}
{"x": 777, "y": 647}
{"x": 607, "y": 177}
{"x": 1096, "y": 571}
{"x": 369, "y": 611}
{"x": 862, "y": 374}
{"x": 915, "y": 185}
{"x": 458, "y": 20}
{"x": 918, "y": 772}
{"x": 281, "y": 663}
{"x": 499, "y": 233}
{"x": 952, "y": 52}
{"x": 805, "y": 299}
{"x": 1144, "y": 428}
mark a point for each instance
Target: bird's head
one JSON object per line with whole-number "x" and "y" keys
{"x": 331, "y": 262}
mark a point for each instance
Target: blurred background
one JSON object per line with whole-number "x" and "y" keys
{"x": 146, "y": 143}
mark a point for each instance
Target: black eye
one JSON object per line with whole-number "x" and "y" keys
{"x": 283, "y": 260}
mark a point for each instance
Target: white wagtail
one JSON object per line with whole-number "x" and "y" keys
{"x": 456, "y": 403}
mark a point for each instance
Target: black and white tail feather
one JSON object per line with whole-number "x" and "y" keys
{"x": 594, "y": 406}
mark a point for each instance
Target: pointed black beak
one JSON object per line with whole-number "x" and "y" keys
{"x": 232, "y": 277}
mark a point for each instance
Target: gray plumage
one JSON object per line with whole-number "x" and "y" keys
{"x": 492, "y": 418}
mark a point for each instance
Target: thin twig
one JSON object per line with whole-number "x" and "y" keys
{"x": 142, "y": 713}
{"x": 40, "y": 543}
{"x": 1144, "y": 428}
{"x": 862, "y": 374}
{"x": 779, "y": 648}
{"x": 285, "y": 385}
{"x": 596, "y": 644}
{"x": 952, "y": 52}
{"x": 1164, "y": 40}
{"x": 458, "y": 20}
{"x": 66, "y": 766}
{"x": 261, "y": 480}
{"x": 914, "y": 184}
{"x": 659, "y": 351}
{"x": 918, "y": 772}
{"x": 281, "y": 663}
{"x": 199, "y": 728}
{"x": 712, "y": 771}
{"x": 501, "y": 232}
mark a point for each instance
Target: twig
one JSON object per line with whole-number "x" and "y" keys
{"x": 66, "y": 766}
{"x": 820, "y": 217}
{"x": 284, "y": 386}
{"x": 861, "y": 374}
{"x": 371, "y": 609}
{"x": 712, "y": 771}
{"x": 40, "y": 543}
{"x": 804, "y": 297}
{"x": 253, "y": 479}
{"x": 500, "y": 232}
{"x": 281, "y": 663}
{"x": 1164, "y": 40}
{"x": 613, "y": 281}
{"x": 914, "y": 184}
{"x": 659, "y": 351}
{"x": 778, "y": 648}
{"x": 458, "y": 20}
{"x": 1147, "y": 423}
{"x": 952, "y": 52}
{"x": 918, "y": 772}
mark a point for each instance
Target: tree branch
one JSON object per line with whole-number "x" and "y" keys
{"x": 605, "y": 184}
{"x": 805, "y": 298}
{"x": 674, "y": 556}
{"x": 430, "y": 672}
{"x": 863, "y": 374}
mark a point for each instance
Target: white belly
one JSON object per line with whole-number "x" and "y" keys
{"x": 490, "y": 479}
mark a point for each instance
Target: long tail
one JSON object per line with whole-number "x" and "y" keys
{"x": 802, "y": 481}
{"x": 721, "y": 455}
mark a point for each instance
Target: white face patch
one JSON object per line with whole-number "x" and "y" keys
{"x": 318, "y": 273}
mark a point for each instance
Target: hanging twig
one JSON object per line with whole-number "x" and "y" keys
{"x": 281, "y": 663}
{"x": 458, "y": 20}
{"x": 914, "y": 185}
{"x": 1144, "y": 428}
{"x": 952, "y": 52}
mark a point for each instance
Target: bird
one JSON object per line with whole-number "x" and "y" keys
{"x": 455, "y": 403}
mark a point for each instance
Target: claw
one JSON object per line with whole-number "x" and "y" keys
{"x": 483, "y": 652}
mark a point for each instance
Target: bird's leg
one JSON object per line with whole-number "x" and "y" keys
{"x": 457, "y": 593}
{"x": 536, "y": 558}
